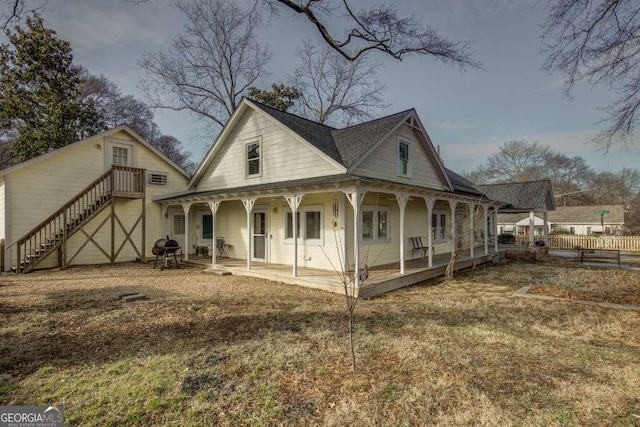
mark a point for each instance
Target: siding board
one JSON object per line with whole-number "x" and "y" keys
{"x": 382, "y": 162}
{"x": 42, "y": 187}
{"x": 283, "y": 156}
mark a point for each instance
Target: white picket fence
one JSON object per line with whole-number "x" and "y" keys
{"x": 569, "y": 241}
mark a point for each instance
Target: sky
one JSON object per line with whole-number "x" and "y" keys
{"x": 467, "y": 114}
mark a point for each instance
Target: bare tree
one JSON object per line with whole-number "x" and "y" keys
{"x": 517, "y": 161}
{"x": 349, "y": 287}
{"x": 211, "y": 65}
{"x": 116, "y": 109}
{"x": 379, "y": 28}
{"x": 12, "y": 10}
{"x": 334, "y": 89}
{"x": 598, "y": 41}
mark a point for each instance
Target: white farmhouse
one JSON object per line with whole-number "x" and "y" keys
{"x": 274, "y": 192}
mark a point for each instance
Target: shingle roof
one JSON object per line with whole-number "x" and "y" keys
{"x": 260, "y": 187}
{"x": 317, "y": 134}
{"x": 354, "y": 141}
{"x": 527, "y": 196}
{"x": 348, "y": 145}
{"x": 586, "y": 214}
{"x": 462, "y": 184}
{"x": 512, "y": 218}
{"x": 573, "y": 215}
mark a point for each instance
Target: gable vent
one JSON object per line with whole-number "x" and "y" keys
{"x": 158, "y": 178}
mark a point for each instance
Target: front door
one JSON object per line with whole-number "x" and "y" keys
{"x": 177, "y": 228}
{"x": 259, "y": 235}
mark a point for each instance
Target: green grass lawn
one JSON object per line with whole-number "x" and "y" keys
{"x": 207, "y": 350}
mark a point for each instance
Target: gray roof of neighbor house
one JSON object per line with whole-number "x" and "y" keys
{"x": 573, "y": 215}
{"x": 522, "y": 196}
{"x": 587, "y": 215}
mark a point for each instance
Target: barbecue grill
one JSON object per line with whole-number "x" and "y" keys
{"x": 165, "y": 248}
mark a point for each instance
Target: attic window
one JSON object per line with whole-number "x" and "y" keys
{"x": 158, "y": 178}
{"x": 253, "y": 159}
{"x": 120, "y": 156}
{"x": 403, "y": 159}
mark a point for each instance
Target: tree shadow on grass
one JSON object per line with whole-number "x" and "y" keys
{"x": 86, "y": 326}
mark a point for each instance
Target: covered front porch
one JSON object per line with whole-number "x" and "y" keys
{"x": 382, "y": 278}
{"x": 375, "y": 235}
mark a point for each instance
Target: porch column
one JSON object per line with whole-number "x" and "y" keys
{"x": 430, "y": 201}
{"x": 546, "y": 228}
{"x": 213, "y": 205}
{"x": 163, "y": 210}
{"x": 402, "y": 203}
{"x": 485, "y": 209}
{"x": 495, "y": 228}
{"x": 186, "y": 207}
{"x": 248, "y": 206}
{"x": 294, "y": 203}
{"x": 452, "y": 207}
{"x": 531, "y": 229}
{"x": 472, "y": 212}
{"x": 355, "y": 198}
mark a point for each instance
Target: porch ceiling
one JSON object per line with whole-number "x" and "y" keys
{"x": 343, "y": 182}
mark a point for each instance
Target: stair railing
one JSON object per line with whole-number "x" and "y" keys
{"x": 65, "y": 221}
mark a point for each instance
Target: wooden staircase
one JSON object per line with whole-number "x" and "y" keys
{"x": 53, "y": 233}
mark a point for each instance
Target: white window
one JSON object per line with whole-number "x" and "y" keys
{"x": 120, "y": 156}
{"x": 288, "y": 226}
{"x": 178, "y": 224}
{"x": 253, "y": 159}
{"x": 375, "y": 224}
{"x": 438, "y": 226}
{"x": 313, "y": 225}
{"x": 309, "y": 228}
{"x": 157, "y": 178}
{"x": 404, "y": 159}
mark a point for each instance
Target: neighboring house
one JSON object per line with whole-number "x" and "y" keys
{"x": 282, "y": 189}
{"x": 583, "y": 220}
{"x": 534, "y": 199}
{"x": 34, "y": 193}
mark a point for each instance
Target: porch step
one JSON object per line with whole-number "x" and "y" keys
{"x": 217, "y": 272}
{"x": 133, "y": 297}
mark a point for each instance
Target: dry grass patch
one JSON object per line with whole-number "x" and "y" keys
{"x": 568, "y": 279}
{"x": 207, "y": 350}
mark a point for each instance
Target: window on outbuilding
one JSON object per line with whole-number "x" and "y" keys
{"x": 120, "y": 156}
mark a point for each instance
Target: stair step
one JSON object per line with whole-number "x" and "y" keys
{"x": 84, "y": 213}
